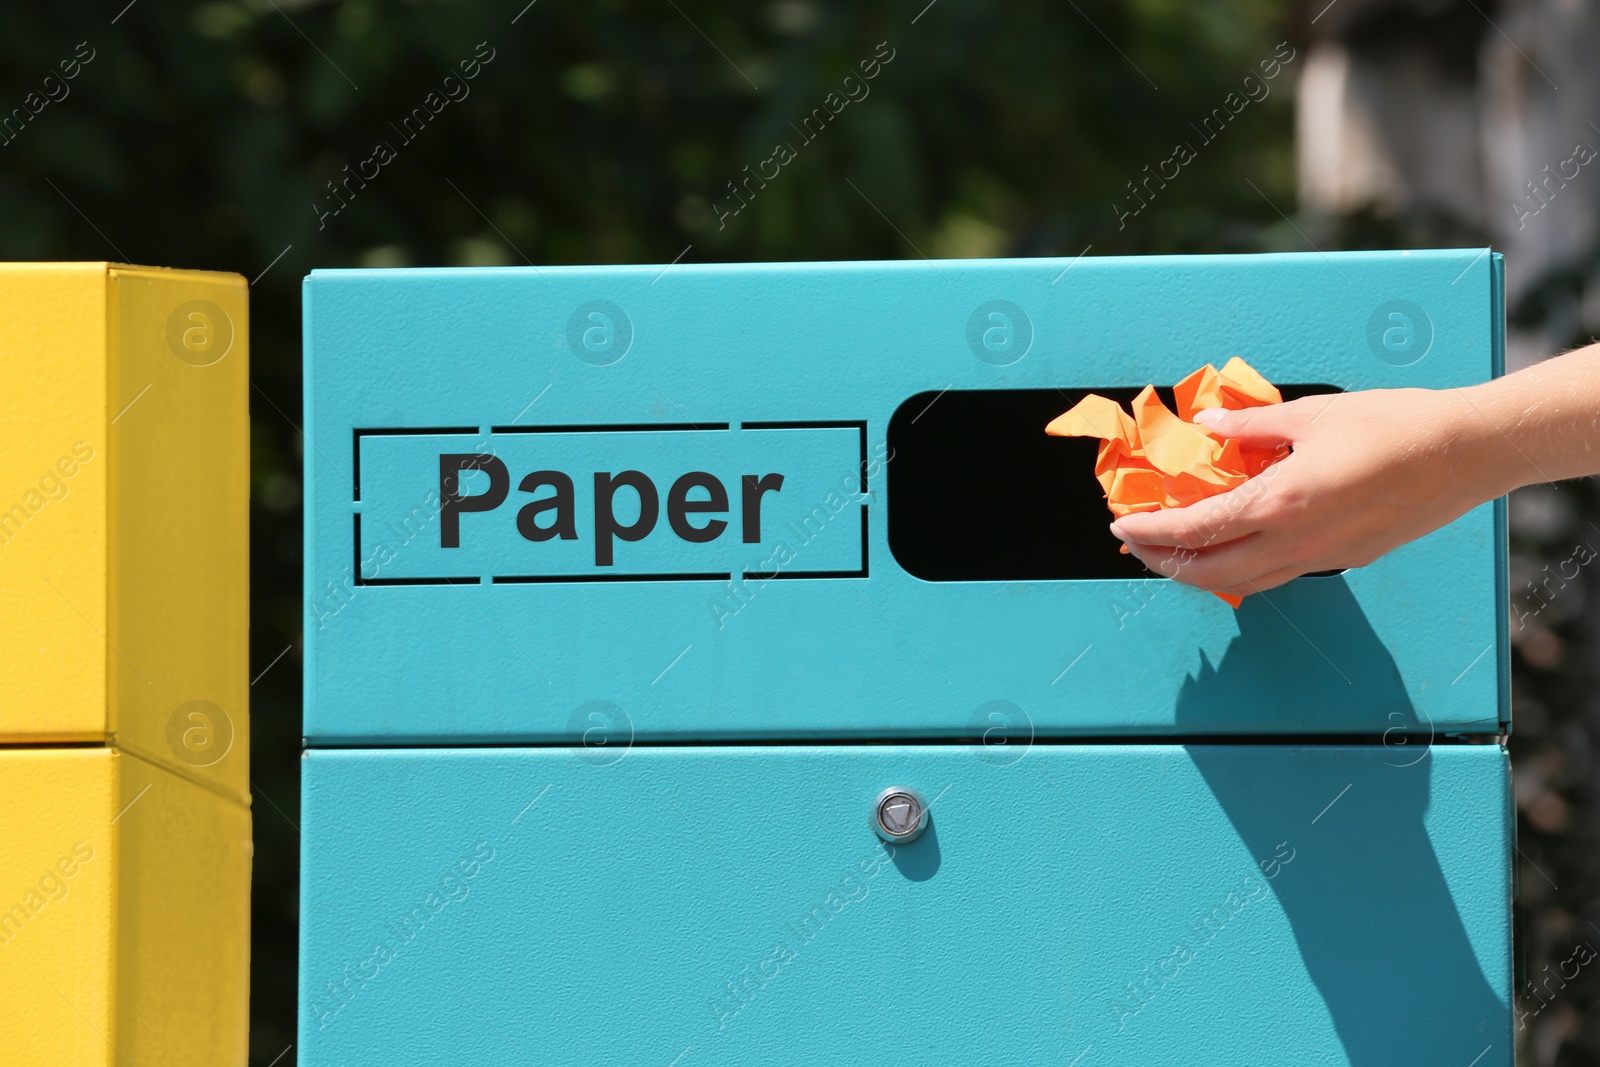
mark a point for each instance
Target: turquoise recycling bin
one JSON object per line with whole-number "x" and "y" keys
{"x": 718, "y": 665}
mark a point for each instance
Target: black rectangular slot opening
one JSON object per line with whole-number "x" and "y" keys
{"x": 978, "y": 492}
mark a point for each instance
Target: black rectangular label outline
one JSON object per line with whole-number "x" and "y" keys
{"x": 669, "y": 427}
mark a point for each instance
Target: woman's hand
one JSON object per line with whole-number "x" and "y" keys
{"x": 1368, "y": 471}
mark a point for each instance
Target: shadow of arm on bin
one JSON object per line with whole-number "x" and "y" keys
{"x": 1373, "y": 917}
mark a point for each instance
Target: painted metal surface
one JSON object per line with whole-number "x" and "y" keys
{"x": 1074, "y": 904}
{"x": 124, "y": 513}
{"x": 124, "y": 691}
{"x": 124, "y": 914}
{"x": 517, "y": 634}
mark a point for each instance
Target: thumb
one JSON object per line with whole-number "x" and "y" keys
{"x": 1262, "y": 425}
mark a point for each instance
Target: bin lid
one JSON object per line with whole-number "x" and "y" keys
{"x": 784, "y": 501}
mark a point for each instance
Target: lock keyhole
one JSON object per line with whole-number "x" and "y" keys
{"x": 899, "y": 815}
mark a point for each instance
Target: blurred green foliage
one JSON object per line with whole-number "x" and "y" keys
{"x": 205, "y": 135}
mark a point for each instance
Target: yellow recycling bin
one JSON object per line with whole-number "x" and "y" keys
{"x": 124, "y": 720}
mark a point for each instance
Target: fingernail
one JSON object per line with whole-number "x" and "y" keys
{"x": 1210, "y": 416}
{"x": 1118, "y": 534}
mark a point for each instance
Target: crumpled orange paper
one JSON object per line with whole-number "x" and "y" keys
{"x": 1156, "y": 459}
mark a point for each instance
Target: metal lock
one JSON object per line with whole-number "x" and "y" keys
{"x": 899, "y": 815}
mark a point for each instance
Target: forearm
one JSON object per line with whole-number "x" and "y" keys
{"x": 1539, "y": 424}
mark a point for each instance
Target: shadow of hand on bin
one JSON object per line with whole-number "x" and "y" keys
{"x": 1372, "y": 914}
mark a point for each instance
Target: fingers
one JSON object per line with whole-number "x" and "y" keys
{"x": 1209, "y": 523}
{"x": 1250, "y": 565}
{"x": 1242, "y": 536}
{"x": 1230, "y": 568}
{"x": 1264, "y": 425}
{"x": 1262, "y": 584}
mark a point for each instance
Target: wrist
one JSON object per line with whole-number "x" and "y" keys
{"x": 1485, "y": 463}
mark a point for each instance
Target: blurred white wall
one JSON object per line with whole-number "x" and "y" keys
{"x": 1482, "y": 117}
